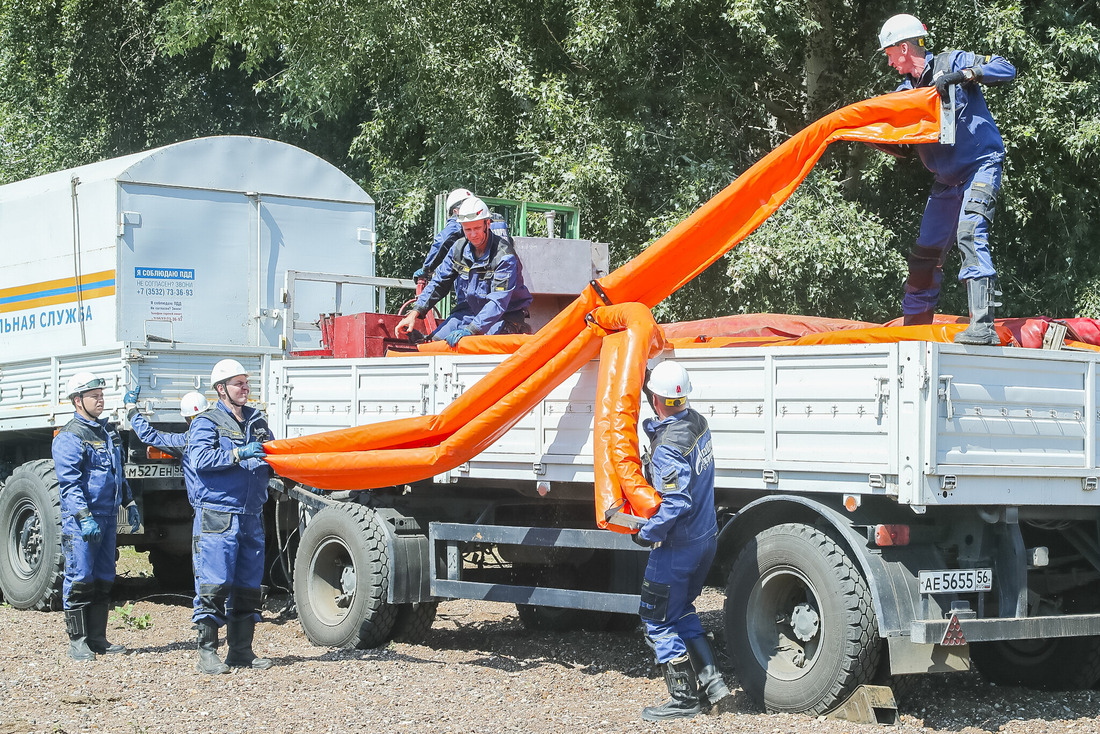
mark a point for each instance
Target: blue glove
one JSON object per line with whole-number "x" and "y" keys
{"x": 131, "y": 396}
{"x": 454, "y": 336}
{"x": 89, "y": 529}
{"x": 254, "y": 450}
{"x": 420, "y": 273}
{"x": 133, "y": 517}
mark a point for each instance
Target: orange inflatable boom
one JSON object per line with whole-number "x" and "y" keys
{"x": 412, "y": 449}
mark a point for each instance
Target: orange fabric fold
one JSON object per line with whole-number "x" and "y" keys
{"x": 621, "y": 487}
{"x": 383, "y": 454}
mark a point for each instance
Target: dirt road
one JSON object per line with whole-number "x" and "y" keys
{"x": 479, "y": 670}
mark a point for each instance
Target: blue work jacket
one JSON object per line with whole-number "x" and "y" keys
{"x": 222, "y": 484}
{"x": 451, "y": 233}
{"x": 167, "y": 441}
{"x": 87, "y": 457}
{"x": 680, "y": 466}
{"x": 488, "y": 286}
{"x": 977, "y": 138}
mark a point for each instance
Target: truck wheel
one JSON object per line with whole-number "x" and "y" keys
{"x": 1058, "y": 664}
{"x": 414, "y": 622}
{"x": 173, "y": 571}
{"x": 800, "y": 626}
{"x": 341, "y": 578}
{"x": 31, "y": 560}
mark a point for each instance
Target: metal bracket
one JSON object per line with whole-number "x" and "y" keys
{"x": 944, "y": 393}
{"x": 947, "y": 118}
{"x": 949, "y": 483}
{"x": 1055, "y": 336}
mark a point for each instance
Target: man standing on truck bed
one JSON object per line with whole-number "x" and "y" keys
{"x": 225, "y": 450}
{"x": 487, "y": 277}
{"x": 684, "y": 535}
{"x": 967, "y": 176}
{"x": 87, "y": 456}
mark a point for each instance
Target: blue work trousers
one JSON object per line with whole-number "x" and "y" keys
{"x": 959, "y": 214}
{"x": 228, "y": 555}
{"x": 89, "y": 567}
{"x": 673, "y": 580}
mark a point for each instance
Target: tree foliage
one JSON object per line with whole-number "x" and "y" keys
{"x": 637, "y": 111}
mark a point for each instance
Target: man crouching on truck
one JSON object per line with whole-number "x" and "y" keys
{"x": 225, "y": 450}
{"x": 684, "y": 535}
{"x": 487, "y": 277}
{"x": 87, "y": 457}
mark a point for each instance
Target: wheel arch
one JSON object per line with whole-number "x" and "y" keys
{"x": 892, "y": 594}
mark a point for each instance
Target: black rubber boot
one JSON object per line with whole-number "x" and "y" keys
{"x": 982, "y": 299}
{"x": 705, "y": 663}
{"x": 97, "y": 631}
{"x": 209, "y": 662}
{"x": 76, "y": 624}
{"x": 239, "y": 634}
{"x": 684, "y": 702}
{"x": 916, "y": 319}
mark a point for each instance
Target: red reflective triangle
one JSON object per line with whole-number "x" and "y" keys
{"x": 953, "y": 635}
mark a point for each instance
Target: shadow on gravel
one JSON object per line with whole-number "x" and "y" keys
{"x": 955, "y": 702}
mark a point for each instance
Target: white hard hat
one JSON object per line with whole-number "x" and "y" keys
{"x": 669, "y": 380}
{"x": 900, "y": 28}
{"x": 473, "y": 209}
{"x": 192, "y": 404}
{"x": 82, "y": 382}
{"x": 225, "y": 369}
{"x": 456, "y": 197}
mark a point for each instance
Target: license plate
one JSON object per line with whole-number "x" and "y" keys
{"x": 153, "y": 471}
{"x": 950, "y": 582}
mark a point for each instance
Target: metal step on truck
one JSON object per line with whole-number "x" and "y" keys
{"x": 885, "y": 509}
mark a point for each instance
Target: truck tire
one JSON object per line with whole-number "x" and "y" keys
{"x": 173, "y": 571}
{"x": 1058, "y": 664}
{"x": 31, "y": 561}
{"x": 414, "y": 622}
{"x": 800, "y": 626}
{"x": 341, "y": 579}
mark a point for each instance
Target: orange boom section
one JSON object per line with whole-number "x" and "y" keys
{"x": 412, "y": 449}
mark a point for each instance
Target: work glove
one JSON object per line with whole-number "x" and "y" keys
{"x": 946, "y": 80}
{"x": 420, "y": 273}
{"x": 89, "y": 529}
{"x": 254, "y": 450}
{"x": 639, "y": 540}
{"x": 131, "y": 396}
{"x": 133, "y": 517}
{"x": 454, "y": 336}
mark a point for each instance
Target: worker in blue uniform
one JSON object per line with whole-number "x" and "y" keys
{"x": 87, "y": 456}
{"x": 967, "y": 174}
{"x": 487, "y": 278}
{"x": 684, "y": 535}
{"x": 225, "y": 450}
{"x": 451, "y": 233}
{"x": 171, "y": 442}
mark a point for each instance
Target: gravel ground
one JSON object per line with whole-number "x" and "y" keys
{"x": 480, "y": 670}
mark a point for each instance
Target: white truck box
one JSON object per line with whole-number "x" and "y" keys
{"x": 123, "y": 266}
